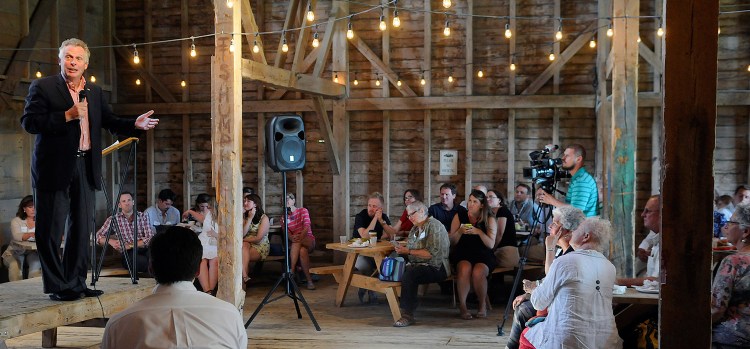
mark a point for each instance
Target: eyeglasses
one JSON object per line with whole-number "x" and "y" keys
{"x": 409, "y": 215}
{"x": 734, "y": 222}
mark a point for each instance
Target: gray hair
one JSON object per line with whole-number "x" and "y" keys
{"x": 74, "y": 42}
{"x": 377, "y": 195}
{"x": 418, "y": 206}
{"x": 570, "y": 216}
{"x": 742, "y": 215}
{"x": 599, "y": 229}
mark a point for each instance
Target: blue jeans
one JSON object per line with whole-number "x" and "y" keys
{"x": 523, "y": 313}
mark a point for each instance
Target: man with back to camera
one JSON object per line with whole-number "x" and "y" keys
{"x": 582, "y": 191}
{"x": 163, "y": 212}
{"x": 67, "y": 115}
{"x": 176, "y": 315}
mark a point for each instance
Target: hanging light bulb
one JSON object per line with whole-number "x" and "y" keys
{"x": 136, "y": 59}
{"x": 422, "y": 81}
{"x": 719, "y": 31}
{"x": 192, "y": 49}
{"x": 310, "y": 14}
{"x": 230, "y": 3}
{"x": 383, "y": 26}
{"x": 447, "y": 29}
{"x": 512, "y": 66}
{"x": 396, "y": 20}
{"x": 610, "y": 31}
{"x": 138, "y": 82}
{"x": 592, "y": 43}
{"x": 231, "y": 45}
{"x": 356, "y": 81}
{"x": 284, "y": 46}
{"x": 398, "y": 81}
{"x": 450, "y": 75}
{"x": 183, "y": 83}
{"x": 660, "y": 30}
{"x": 336, "y": 78}
{"x": 551, "y": 55}
{"x": 377, "y": 80}
{"x": 349, "y": 31}
{"x": 480, "y": 73}
{"x": 316, "y": 41}
{"x": 558, "y": 34}
{"x": 508, "y": 33}
{"x": 38, "y": 73}
{"x": 447, "y": 3}
{"x": 638, "y": 40}
{"x": 256, "y": 47}
{"x": 92, "y": 78}
{"x": 748, "y": 68}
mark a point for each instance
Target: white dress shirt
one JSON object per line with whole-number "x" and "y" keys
{"x": 578, "y": 294}
{"x": 176, "y": 316}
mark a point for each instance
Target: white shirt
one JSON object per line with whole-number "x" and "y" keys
{"x": 176, "y": 316}
{"x": 210, "y": 250}
{"x": 578, "y": 294}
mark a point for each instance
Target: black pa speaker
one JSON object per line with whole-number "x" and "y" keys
{"x": 285, "y": 143}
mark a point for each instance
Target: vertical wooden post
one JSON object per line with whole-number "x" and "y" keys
{"x": 511, "y": 170}
{"x": 468, "y": 140}
{"x": 340, "y": 57}
{"x": 624, "y": 131}
{"x": 656, "y": 122}
{"x": 226, "y": 112}
{"x": 147, "y": 52}
{"x": 187, "y": 162}
{"x": 427, "y": 123}
{"x": 603, "y": 106}
{"x": 690, "y": 64}
{"x": 386, "y": 190}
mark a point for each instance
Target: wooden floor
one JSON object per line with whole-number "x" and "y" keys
{"x": 354, "y": 325}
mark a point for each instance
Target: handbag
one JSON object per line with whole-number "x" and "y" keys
{"x": 392, "y": 269}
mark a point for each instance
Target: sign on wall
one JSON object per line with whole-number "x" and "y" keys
{"x": 448, "y": 162}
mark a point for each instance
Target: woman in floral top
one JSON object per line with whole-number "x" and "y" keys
{"x": 730, "y": 295}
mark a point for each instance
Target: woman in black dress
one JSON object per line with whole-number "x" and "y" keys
{"x": 473, "y": 237}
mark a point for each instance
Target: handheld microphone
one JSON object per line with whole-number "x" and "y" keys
{"x": 82, "y": 95}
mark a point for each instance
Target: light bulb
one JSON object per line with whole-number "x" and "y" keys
{"x": 256, "y": 48}
{"x": 592, "y": 43}
{"x": 558, "y": 34}
{"x": 349, "y": 31}
{"x": 38, "y": 74}
{"x": 138, "y": 82}
{"x": 446, "y": 3}
{"x": 336, "y": 78}
{"x": 480, "y": 73}
{"x": 508, "y": 33}
{"x": 660, "y": 32}
{"x": 284, "y": 46}
{"x": 356, "y": 82}
{"x": 183, "y": 83}
{"x": 377, "y": 82}
{"x": 310, "y": 14}
{"x": 719, "y": 31}
{"x": 315, "y": 42}
{"x": 748, "y": 68}
{"x": 92, "y": 78}
{"x": 192, "y": 50}
{"x": 230, "y": 3}
{"x": 450, "y": 78}
{"x": 551, "y": 56}
{"x": 382, "y": 26}
{"x": 513, "y": 66}
{"x": 610, "y": 31}
{"x": 422, "y": 81}
{"x": 136, "y": 59}
{"x": 447, "y": 29}
{"x": 638, "y": 40}
{"x": 396, "y": 20}
{"x": 398, "y": 82}
{"x": 231, "y": 45}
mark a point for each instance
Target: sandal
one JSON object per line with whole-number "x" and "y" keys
{"x": 404, "y": 321}
{"x": 466, "y": 316}
{"x": 481, "y": 315}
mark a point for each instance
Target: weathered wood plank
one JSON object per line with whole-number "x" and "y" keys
{"x": 289, "y": 80}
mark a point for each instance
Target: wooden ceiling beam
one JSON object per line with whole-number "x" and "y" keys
{"x": 282, "y": 78}
{"x": 650, "y": 57}
{"x": 290, "y": 18}
{"x": 375, "y": 60}
{"x": 251, "y": 26}
{"x": 306, "y": 64}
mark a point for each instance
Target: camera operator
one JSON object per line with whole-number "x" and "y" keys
{"x": 582, "y": 191}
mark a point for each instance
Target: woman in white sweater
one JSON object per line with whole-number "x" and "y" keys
{"x": 22, "y": 228}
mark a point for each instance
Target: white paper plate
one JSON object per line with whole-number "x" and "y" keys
{"x": 646, "y": 289}
{"x": 32, "y": 239}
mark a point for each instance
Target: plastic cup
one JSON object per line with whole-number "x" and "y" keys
{"x": 343, "y": 239}
{"x": 373, "y": 234}
{"x": 373, "y": 240}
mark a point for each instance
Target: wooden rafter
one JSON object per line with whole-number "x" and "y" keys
{"x": 251, "y": 26}
{"x": 324, "y": 51}
{"x": 327, "y": 132}
{"x": 288, "y": 22}
{"x": 375, "y": 60}
{"x": 289, "y": 80}
{"x": 306, "y": 64}
{"x": 152, "y": 80}
{"x": 566, "y": 55}
{"x": 650, "y": 57}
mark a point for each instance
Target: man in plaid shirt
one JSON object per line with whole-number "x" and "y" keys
{"x": 126, "y": 224}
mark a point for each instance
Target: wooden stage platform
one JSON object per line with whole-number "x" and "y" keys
{"x": 25, "y": 309}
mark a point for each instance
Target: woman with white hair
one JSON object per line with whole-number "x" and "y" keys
{"x": 578, "y": 294}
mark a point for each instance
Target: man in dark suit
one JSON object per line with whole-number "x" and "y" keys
{"x": 66, "y": 114}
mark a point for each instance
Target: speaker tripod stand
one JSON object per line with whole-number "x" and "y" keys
{"x": 291, "y": 290}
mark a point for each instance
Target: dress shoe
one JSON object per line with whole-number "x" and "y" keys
{"x": 87, "y": 292}
{"x": 65, "y": 296}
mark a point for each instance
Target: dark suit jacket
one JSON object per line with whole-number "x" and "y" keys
{"x": 56, "y": 143}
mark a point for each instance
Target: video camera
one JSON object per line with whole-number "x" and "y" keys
{"x": 545, "y": 171}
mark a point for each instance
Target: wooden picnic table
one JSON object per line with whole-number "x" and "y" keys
{"x": 346, "y": 277}
{"x": 636, "y": 305}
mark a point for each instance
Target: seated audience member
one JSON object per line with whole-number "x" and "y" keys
{"x": 126, "y": 224}
{"x": 473, "y": 237}
{"x": 22, "y": 228}
{"x": 566, "y": 220}
{"x": 255, "y": 244}
{"x": 301, "y": 238}
{"x": 427, "y": 248}
{"x": 505, "y": 250}
{"x": 163, "y": 213}
{"x": 403, "y": 226}
{"x": 371, "y": 219}
{"x": 176, "y": 315}
{"x": 723, "y": 204}
{"x": 578, "y": 295}
{"x": 209, "y": 268}
{"x": 730, "y": 293}
{"x": 652, "y": 221}
{"x": 446, "y": 209}
{"x": 480, "y": 187}
{"x": 522, "y": 206}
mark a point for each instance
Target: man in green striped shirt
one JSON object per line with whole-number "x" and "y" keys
{"x": 582, "y": 191}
